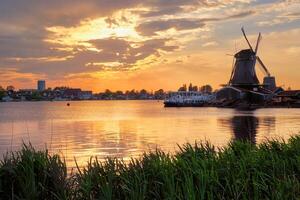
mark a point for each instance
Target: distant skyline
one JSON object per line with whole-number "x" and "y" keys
{"x": 126, "y": 44}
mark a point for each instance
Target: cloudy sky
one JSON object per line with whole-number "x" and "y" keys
{"x": 152, "y": 44}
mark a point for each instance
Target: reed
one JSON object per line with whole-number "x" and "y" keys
{"x": 241, "y": 170}
{"x": 31, "y": 174}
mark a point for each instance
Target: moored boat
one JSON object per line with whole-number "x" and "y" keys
{"x": 188, "y": 99}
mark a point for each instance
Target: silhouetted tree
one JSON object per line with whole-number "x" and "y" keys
{"x": 183, "y": 88}
{"x": 195, "y": 88}
{"x": 190, "y": 87}
{"x": 159, "y": 94}
{"x": 2, "y": 92}
{"x": 61, "y": 88}
{"x": 36, "y": 96}
{"x": 10, "y": 88}
{"x": 206, "y": 89}
{"x": 119, "y": 92}
{"x": 143, "y": 94}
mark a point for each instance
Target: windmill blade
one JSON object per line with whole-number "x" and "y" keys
{"x": 227, "y": 54}
{"x": 263, "y": 66}
{"x": 246, "y": 38}
{"x": 257, "y": 43}
{"x": 235, "y": 49}
{"x": 232, "y": 65}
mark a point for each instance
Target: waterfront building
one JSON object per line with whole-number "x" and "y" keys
{"x": 86, "y": 95}
{"x": 7, "y": 99}
{"x": 41, "y": 85}
{"x": 72, "y": 93}
{"x": 26, "y": 91}
{"x": 289, "y": 96}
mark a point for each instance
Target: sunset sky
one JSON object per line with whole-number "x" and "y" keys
{"x": 151, "y": 44}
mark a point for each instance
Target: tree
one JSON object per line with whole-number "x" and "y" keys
{"x": 195, "y": 88}
{"x": 206, "y": 89}
{"x": 190, "y": 87}
{"x": 132, "y": 92}
{"x": 36, "y": 96}
{"x": 61, "y": 88}
{"x": 10, "y": 88}
{"x": 143, "y": 94}
{"x": 2, "y": 92}
{"x": 143, "y": 91}
{"x": 159, "y": 94}
{"x": 119, "y": 92}
{"x": 183, "y": 88}
{"x": 108, "y": 92}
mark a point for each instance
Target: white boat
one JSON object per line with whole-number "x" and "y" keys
{"x": 188, "y": 99}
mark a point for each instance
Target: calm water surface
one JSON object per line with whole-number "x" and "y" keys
{"x": 127, "y": 128}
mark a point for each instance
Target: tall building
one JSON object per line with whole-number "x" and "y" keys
{"x": 41, "y": 85}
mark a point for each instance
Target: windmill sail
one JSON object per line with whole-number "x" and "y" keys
{"x": 246, "y": 39}
{"x": 266, "y": 71}
{"x": 257, "y": 42}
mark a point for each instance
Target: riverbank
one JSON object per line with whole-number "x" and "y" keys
{"x": 270, "y": 170}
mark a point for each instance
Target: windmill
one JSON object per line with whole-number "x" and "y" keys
{"x": 243, "y": 73}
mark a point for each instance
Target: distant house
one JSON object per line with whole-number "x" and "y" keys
{"x": 27, "y": 91}
{"x": 86, "y": 95}
{"x": 72, "y": 93}
{"x": 25, "y": 94}
{"x": 77, "y": 94}
{"x": 7, "y": 98}
{"x": 289, "y": 95}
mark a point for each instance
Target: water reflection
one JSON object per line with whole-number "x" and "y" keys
{"x": 245, "y": 127}
{"x": 248, "y": 126}
{"x": 128, "y": 128}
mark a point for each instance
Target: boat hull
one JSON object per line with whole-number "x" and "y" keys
{"x": 185, "y": 104}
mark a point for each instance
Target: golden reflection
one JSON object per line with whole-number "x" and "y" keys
{"x": 126, "y": 129}
{"x": 248, "y": 126}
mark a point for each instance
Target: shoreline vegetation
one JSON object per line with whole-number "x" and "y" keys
{"x": 69, "y": 94}
{"x": 270, "y": 170}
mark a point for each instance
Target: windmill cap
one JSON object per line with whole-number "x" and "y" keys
{"x": 245, "y": 53}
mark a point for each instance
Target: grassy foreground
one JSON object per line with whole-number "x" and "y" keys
{"x": 240, "y": 171}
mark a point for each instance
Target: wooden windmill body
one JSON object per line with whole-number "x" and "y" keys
{"x": 244, "y": 83}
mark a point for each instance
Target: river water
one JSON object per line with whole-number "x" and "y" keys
{"x": 125, "y": 129}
